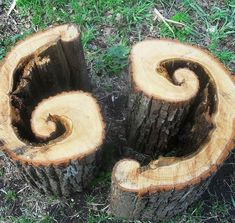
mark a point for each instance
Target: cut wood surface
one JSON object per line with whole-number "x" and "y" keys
{"x": 181, "y": 103}
{"x": 49, "y": 128}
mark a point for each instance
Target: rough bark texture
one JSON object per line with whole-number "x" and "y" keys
{"x": 154, "y": 206}
{"x": 61, "y": 180}
{"x": 47, "y": 72}
{"x": 179, "y": 113}
{"x": 152, "y": 123}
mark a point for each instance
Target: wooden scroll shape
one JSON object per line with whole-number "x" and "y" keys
{"x": 182, "y": 102}
{"x": 52, "y": 131}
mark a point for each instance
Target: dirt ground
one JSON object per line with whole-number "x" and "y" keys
{"x": 20, "y": 203}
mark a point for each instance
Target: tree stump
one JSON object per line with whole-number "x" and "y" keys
{"x": 181, "y": 111}
{"x": 49, "y": 128}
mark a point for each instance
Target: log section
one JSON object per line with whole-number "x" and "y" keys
{"x": 49, "y": 128}
{"x": 182, "y": 103}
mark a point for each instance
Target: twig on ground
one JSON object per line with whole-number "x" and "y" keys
{"x": 22, "y": 189}
{"x": 172, "y": 4}
{"x": 159, "y": 15}
{"x": 96, "y": 204}
{"x": 166, "y": 21}
{"x": 105, "y": 208}
{"x": 163, "y": 19}
{"x": 13, "y": 4}
{"x": 3, "y": 191}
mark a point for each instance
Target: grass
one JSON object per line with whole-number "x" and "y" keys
{"x": 99, "y": 218}
{"x": 131, "y": 21}
{"x": 10, "y": 195}
{"x": 112, "y": 61}
{"x": 45, "y": 219}
{"x": 1, "y": 173}
{"x": 117, "y": 24}
{"x": 102, "y": 178}
{"x": 182, "y": 33}
{"x": 109, "y": 29}
{"x": 8, "y": 42}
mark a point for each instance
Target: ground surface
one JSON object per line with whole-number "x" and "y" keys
{"x": 109, "y": 28}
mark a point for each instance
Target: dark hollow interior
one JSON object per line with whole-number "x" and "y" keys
{"x": 196, "y": 126}
{"x": 48, "y": 72}
{"x": 38, "y": 77}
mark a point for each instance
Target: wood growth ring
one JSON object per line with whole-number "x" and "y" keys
{"x": 179, "y": 113}
{"x": 49, "y": 126}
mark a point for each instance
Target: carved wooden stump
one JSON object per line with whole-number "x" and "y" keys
{"x": 181, "y": 103}
{"x": 52, "y": 131}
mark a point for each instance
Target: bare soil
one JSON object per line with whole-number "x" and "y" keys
{"x": 93, "y": 203}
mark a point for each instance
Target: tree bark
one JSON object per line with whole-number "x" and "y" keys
{"x": 179, "y": 113}
{"x": 154, "y": 206}
{"x": 152, "y": 123}
{"x": 61, "y": 180}
{"x": 154, "y": 120}
{"x": 49, "y": 128}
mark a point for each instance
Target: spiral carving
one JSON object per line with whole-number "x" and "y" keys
{"x": 50, "y": 127}
{"x": 180, "y": 114}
